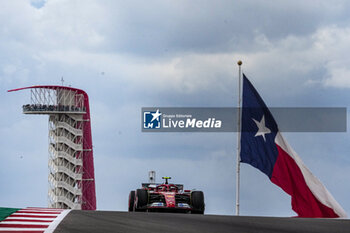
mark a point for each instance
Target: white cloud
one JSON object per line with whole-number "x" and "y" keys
{"x": 81, "y": 35}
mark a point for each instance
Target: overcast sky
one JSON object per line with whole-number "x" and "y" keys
{"x": 132, "y": 54}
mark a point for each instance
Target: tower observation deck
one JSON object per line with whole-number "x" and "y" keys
{"x": 71, "y": 168}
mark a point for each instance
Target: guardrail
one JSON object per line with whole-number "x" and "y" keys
{"x": 38, "y": 108}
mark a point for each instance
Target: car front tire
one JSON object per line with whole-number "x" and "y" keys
{"x": 197, "y": 200}
{"x": 131, "y": 201}
{"x": 141, "y": 199}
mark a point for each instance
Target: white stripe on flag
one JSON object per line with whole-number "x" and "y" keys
{"x": 314, "y": 184}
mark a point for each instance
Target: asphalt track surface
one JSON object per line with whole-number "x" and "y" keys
{"x": 124, "y": 222}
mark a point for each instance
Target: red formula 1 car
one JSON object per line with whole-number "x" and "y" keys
{"x": 167, "y": 198}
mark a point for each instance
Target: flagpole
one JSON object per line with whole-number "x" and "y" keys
{"x": 239, "y": 63}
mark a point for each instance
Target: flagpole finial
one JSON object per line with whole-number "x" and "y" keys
{"x": 239, "y": 62}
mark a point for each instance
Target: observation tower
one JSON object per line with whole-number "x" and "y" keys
{"x": 71, "y": 166}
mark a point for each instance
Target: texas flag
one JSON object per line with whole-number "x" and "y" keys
{"x": 263, "y": 147}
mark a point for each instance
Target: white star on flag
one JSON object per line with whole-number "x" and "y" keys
{"x": 156, "y": 115}
{"x": 262, "y": 129}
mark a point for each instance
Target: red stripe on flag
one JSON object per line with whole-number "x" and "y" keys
{"x": 287, "y": 175}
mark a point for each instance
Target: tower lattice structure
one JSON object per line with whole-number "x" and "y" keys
{"x": 71, "y": 169}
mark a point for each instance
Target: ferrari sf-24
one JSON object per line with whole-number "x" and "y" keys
{"x": 166, "y": 198}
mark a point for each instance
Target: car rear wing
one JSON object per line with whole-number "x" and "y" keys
{"x": 180, "y": 187}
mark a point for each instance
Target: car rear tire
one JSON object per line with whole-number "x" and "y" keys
{"x": 197, "y": 200}
{"x": 131, "y": 201}
{"x": 141, "y": 199}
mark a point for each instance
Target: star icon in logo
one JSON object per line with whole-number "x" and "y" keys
{"x": 262, "y": 129}
{"x": 156, "y": 115}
